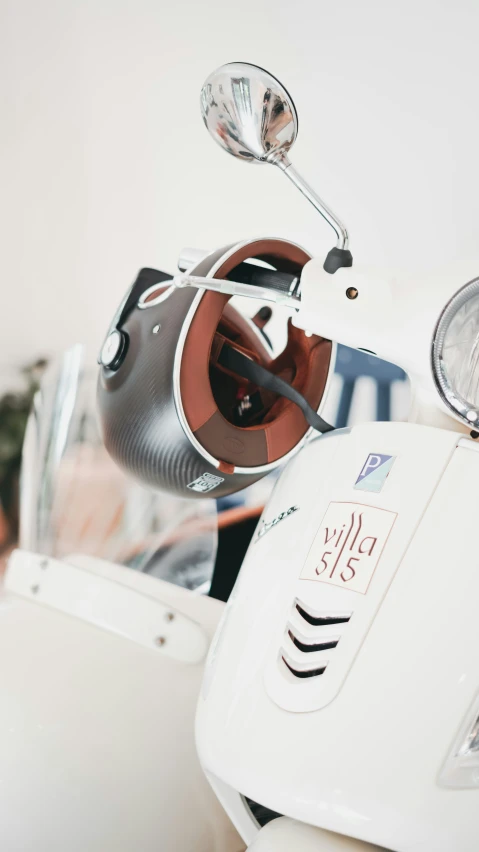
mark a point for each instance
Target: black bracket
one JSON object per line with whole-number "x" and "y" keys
{"x": 336, "y": 259}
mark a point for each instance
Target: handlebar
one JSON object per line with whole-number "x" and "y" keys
{"x": 246, "y": 279}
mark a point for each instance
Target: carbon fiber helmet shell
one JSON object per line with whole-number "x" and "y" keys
{"x": 159, "y": 419}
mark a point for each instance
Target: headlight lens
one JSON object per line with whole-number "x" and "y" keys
{"x": 455, "y": 354}
{"x": 461, "y": 768}
{"x": 471, "y": 743}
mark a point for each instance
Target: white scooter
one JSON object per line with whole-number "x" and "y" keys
{"x": 342, "y": 686}
{"x": 339, "y": 706}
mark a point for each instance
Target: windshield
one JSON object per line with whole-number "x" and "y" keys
{"x": 74, "y": 499}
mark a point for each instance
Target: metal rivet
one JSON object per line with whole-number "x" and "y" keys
{"x": 170, "y": 616}
{"x": 156, "y": 329}
{"x": 352, "y": 293}
{"x": 34, "y": 589}
{"x": 471, "y": 415}
{"x": 160, "y": 640}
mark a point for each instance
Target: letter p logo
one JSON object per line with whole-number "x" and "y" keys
{"x": 374, "y": 472}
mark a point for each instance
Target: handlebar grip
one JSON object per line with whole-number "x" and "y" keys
{"x": 258, "y": 276}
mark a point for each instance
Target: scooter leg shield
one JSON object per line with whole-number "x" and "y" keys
{"x": 101, "y": 668}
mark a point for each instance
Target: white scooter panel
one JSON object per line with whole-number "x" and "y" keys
{"x": 346, "y": 663}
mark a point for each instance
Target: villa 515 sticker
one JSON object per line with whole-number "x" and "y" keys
{"x": 348, "y": 544}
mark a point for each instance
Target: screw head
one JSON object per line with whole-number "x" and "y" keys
{"x": 352, "y": 293}
{"x": 35, "y": 589}
{"x": 160, "y": 640}
{"x": 170, "y": 616}
{"x": 156, "y": 329}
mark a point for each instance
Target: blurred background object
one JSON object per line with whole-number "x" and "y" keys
{"x": 15, "y": 405}
{"x": 390, "y": 384}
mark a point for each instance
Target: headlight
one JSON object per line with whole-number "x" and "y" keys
{"x": 461, "y": 768}
{"x": 455, "y": 354}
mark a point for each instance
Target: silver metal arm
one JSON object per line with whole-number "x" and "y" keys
{"x": 285, "y": 164}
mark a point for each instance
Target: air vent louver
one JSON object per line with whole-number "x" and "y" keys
{"x": 297, "y": 656}
{"x": 309, "y": 648}
{"x": 320, "y": 620}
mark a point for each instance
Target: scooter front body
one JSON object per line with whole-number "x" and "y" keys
{"x": 89, "y": 698}
{"x": 346, "y": 665}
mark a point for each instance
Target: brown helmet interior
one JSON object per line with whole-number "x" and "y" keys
{"x": 212, "y": 395}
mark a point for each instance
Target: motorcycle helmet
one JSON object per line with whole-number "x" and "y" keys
{"x": 191, "y": 400}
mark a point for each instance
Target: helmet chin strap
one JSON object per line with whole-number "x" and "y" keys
{"x": 233, "y": 360}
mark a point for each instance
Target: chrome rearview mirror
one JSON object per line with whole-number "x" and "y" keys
{"x": 251, "y": 115}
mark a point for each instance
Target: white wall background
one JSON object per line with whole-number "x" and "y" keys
{"x": 106, "y": 165}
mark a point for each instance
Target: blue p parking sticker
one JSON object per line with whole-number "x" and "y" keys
{"x": 375, "y": 472}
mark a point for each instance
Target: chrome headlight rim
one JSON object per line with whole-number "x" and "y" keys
{"x": 463, "y": 409}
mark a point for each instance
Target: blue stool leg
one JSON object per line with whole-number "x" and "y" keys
{"x": 345, "y": 400}
{"x": 383, "y": 405}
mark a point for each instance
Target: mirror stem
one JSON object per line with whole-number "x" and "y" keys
{"x": 287, "y": 167}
